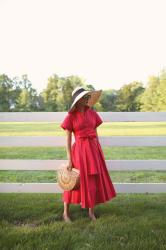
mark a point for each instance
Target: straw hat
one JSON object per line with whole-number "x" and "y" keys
{"x": 79, "y": 92}
{"x": 68, "y": 180}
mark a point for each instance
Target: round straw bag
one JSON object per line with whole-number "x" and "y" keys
{"x": 68, "y": 180}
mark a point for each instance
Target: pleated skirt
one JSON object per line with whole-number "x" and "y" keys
{"x": 95, "y": 182}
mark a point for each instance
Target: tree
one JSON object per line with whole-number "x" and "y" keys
{"x": 57, "y": 95}
{"x": 153, "y": 99}
{"x": 128, "y": 98}
{"x": 68, "y": 84}
{"x": 6, "y": 93}
{"x": 50, "y": 93}
{"x": 108, "y": 100}
{"x": 27, "y": 100}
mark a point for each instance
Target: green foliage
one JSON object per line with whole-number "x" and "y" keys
{"x": 17, "y": 94}
{"x": 6, "y": 93}
{"x": 50, "y": 94}
{"x": 67, "y": 86}
{"x": 27, "y": 99}
{"x": 153, "y": 99}
{"x": 57, "y": 95}
{"x": 128, "y": 97}
{"x": 108, "y": 100}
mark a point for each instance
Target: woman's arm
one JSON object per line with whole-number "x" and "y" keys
{"x": 96, "y": 132}
{"x": 69, "y": 155}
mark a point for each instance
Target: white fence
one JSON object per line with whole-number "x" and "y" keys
{"x": 113, "y": 165}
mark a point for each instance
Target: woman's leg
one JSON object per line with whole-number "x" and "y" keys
{"x": 66, "y": 215}
{"x": 91, "y": 213}
{"x": 92, "y": 181}
{"x": 66, "y": 209}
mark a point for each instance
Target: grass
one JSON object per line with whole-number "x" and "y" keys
{"x": 128, "y": 222}
{"x": 130, "y": 153}
{"x": 51, "y": 176}
{"x": 105, "y": 129}
{"x": 60, "y": 153}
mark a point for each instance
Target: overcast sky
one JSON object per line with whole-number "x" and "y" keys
{"x": 106, "y": 42}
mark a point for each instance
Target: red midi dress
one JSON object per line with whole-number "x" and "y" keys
{"x": 87, "y": 156}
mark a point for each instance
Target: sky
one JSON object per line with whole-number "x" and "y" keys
{"x": 108, "y": 43}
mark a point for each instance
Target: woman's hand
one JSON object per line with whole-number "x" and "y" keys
{"x": 70, "y": 166}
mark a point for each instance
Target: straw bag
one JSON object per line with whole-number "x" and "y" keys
{"x": 68, "y": 180}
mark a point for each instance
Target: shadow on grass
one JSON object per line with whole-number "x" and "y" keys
{"x": 129, "y": 221}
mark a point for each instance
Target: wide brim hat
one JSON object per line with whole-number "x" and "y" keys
{"x": 79, "y": 92}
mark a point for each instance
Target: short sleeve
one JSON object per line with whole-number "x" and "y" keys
{"x": 98, "y": 119}
{"x": 67, "y": 123}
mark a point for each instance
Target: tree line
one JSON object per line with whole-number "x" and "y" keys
{"x": 18, "y": 95}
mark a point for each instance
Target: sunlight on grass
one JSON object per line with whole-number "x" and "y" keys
{"x": 51, "y": 176}
{"x": 105, "y": 129}
{"x": 113, "y": 153}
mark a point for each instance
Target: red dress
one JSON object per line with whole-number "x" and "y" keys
{"x": 87, "y": 156}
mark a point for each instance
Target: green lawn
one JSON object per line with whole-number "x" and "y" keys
{"x": 51, "y": 176}
{"x": 128, "y": 222}
{"x": 105, "y": 129}
{"x": 60, "y": 153}
{"x": 130, "y": 153}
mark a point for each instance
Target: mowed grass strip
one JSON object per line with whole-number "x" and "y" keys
{"x": 128, "y": 222}
{"x": 37, "y": 176}
{"x": 105, "y": 129}
{"x": 45, "y": 153}
{"x": 125, "y": 128}
{"x": 110, "y": 153}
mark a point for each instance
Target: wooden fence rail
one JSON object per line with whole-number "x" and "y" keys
{"x": 113, "y": 165}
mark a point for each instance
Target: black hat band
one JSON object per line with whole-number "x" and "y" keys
{"x": 77, "y": 93}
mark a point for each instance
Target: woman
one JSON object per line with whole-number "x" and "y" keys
{"x": 86, "y": 154}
